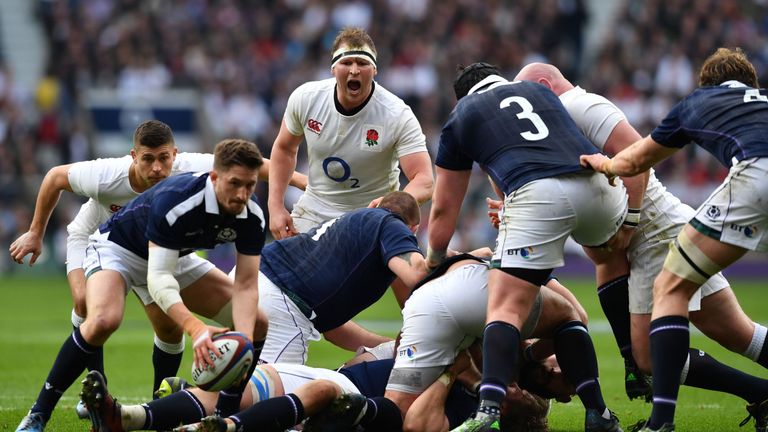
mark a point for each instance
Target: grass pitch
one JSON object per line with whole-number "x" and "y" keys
{"x": 34, "y": 319}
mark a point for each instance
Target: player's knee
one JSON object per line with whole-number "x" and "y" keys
{"x": 100, "y": 326}
{"x": 688, "y": 262}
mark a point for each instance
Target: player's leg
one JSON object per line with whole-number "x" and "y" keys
{"x": 105, "y": 296}
{"x": 168, "y": 347}
{"x": 733, "y": 329}
{"x": 693, "y": 258}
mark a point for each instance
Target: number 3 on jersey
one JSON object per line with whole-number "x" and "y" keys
{"x": 527, "y": 113}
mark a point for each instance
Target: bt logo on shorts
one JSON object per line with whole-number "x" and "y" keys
{"x": 408, "y": 351}
{"x": 314, "y": 125}
{"x": 524, "y": 252}
{"x": 749, "y": 231}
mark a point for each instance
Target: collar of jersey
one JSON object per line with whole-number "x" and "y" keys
{"x": 212, "y": 205}
{"x": 490, "y": 79}
{"x": 733, "y": 83}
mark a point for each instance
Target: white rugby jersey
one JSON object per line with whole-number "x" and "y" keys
{"x": 105, "y": 182}
{"x": 352, "y": 159}
{"x": 596, "y": 116}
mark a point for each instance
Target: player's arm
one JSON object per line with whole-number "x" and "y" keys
{"x": 450, "y": 188}
{"x": 417, "y": 167}
{"x": 164, "y": 289}
{"x": 351, "y": 335}
{"x": 639, "y": 157}
{"x": 298, "y": 180}
{"x": 282, "y": 166}
{"x": 55, "y": 181}
{"x": 410, "y": 267}
{"x": 245, "y": 298}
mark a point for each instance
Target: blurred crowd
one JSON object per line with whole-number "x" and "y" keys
{"x": 245, "y": 57}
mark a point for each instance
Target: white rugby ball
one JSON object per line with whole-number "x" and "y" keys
{"x": 236, "y": 357}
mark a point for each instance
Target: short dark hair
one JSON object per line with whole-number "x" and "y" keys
{"x": 152, "y": 134}
{"x": 727, "y": 64}
{"x": 236, "y": 152}
{"x": 402, "y": 204}
{"x": 468, "y": 76}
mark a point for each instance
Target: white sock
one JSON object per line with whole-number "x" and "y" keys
{"x": 76, "y": 319}
{"x": 756, "y": 346}
{"x": 168, "y": 347}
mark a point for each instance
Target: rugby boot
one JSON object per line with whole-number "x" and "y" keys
{"x": 594, "y": 422}
{"x": 103, "y": 409}
{"x": 342, "y": 415}
{"x": 759, "y": 412}
{"x": 32, "y": 422}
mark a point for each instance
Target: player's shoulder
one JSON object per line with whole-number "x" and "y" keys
{"x": 105, "y": 165}
{"x": 312, "y": 88}
{"x": 192, "y": 162}
{"x": 389, "y": 102}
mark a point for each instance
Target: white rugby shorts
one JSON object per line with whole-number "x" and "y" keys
{"x": 103, "y": 254}
{"x": 539, "y": 216}
{"x": 736, "y": 212}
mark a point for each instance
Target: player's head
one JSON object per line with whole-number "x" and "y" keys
{"x": 523, "y": 410}
{"x": 545, "y": 379}
{"x": 545, "y": 74}
{"x": 153, "y": 153}
{"x": 468, "y": 76}
{"x": 404, "y": 205}
{"x": 353, "y": 63}
{"x": 727, "y": 64}
{"x": 236, "y": 166}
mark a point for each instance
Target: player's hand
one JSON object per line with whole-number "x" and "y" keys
{"x": 494, "y": 207}
{"x": 202, "y": 344}
{"x": 600, "y": 163}
{"x": 460, "y": 363}
{"x": 375, "y": 202}
{"x": 281, "y": 224}
{"x": 620, "y": 241}
{"x": 27, "y": 243}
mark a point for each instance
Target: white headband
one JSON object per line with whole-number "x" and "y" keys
{"x": 363, "y": 53}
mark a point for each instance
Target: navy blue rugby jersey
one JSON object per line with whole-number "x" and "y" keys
{"x": 516, "y": 131}
{"x": 729, "y": 121}
{"x": 181, "y": 213}
{"x": 340, "y": 267}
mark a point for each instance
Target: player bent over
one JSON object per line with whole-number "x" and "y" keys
{"x": 148, "y": 244}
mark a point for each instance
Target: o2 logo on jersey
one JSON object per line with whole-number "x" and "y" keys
{"x": 314, "y": 125}
{"x": 338, "y": 170}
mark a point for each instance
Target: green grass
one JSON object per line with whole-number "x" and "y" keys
{"x": 34, "y": 319}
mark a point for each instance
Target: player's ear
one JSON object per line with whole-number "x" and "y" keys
{"x": 214, "y": 175}
{"x": 133, "y": 154}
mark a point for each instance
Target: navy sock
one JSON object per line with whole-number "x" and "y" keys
{"x": 382, "y": 415}
{"x": 501, "y": 346}
{"x": 175, "y": 409}
{"x": 96, "y": 361}
{"x": 276, "y": 414}
{"x": 229, "y": 399}
{"x": 707, "y": 373}
{"x": 576, "y": 355}
{"x": 71, "y": 361}
{"x": 670, "y": 339}
{"x": 165, "y": 365}
{"x": 614, "y": 300}
{"x": 762, "y": 360}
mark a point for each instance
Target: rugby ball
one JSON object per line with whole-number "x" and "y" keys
{"x": 236, "y": 357}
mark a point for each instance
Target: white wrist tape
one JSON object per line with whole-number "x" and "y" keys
{"x": 163, "y": 287}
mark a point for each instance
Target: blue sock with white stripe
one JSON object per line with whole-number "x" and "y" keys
{"x": 670, "y": 339}
{"x": 276, "y": 414}
{"x": 168, "y": 412}
{"x": 501, "y": 347}
{"x": 576, "y": 356}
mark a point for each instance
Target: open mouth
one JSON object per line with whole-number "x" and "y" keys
{"x": 354, "y": 85}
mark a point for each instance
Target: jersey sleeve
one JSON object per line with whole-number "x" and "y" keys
{"x": 158, "y": 230}
{"x": 411, "y": 139}
{"x": 596, "y": 116}
{"x": 670, "y": 132}
{"x": 292, "y": 116}
{"x": 396, "y": 239}
{"x": 449, "y": 154}
{"x": 84, "y": 178}
{"x": 250, "y": 240}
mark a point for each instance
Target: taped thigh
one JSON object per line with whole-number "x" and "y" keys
{"x": 687, "y": 261}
